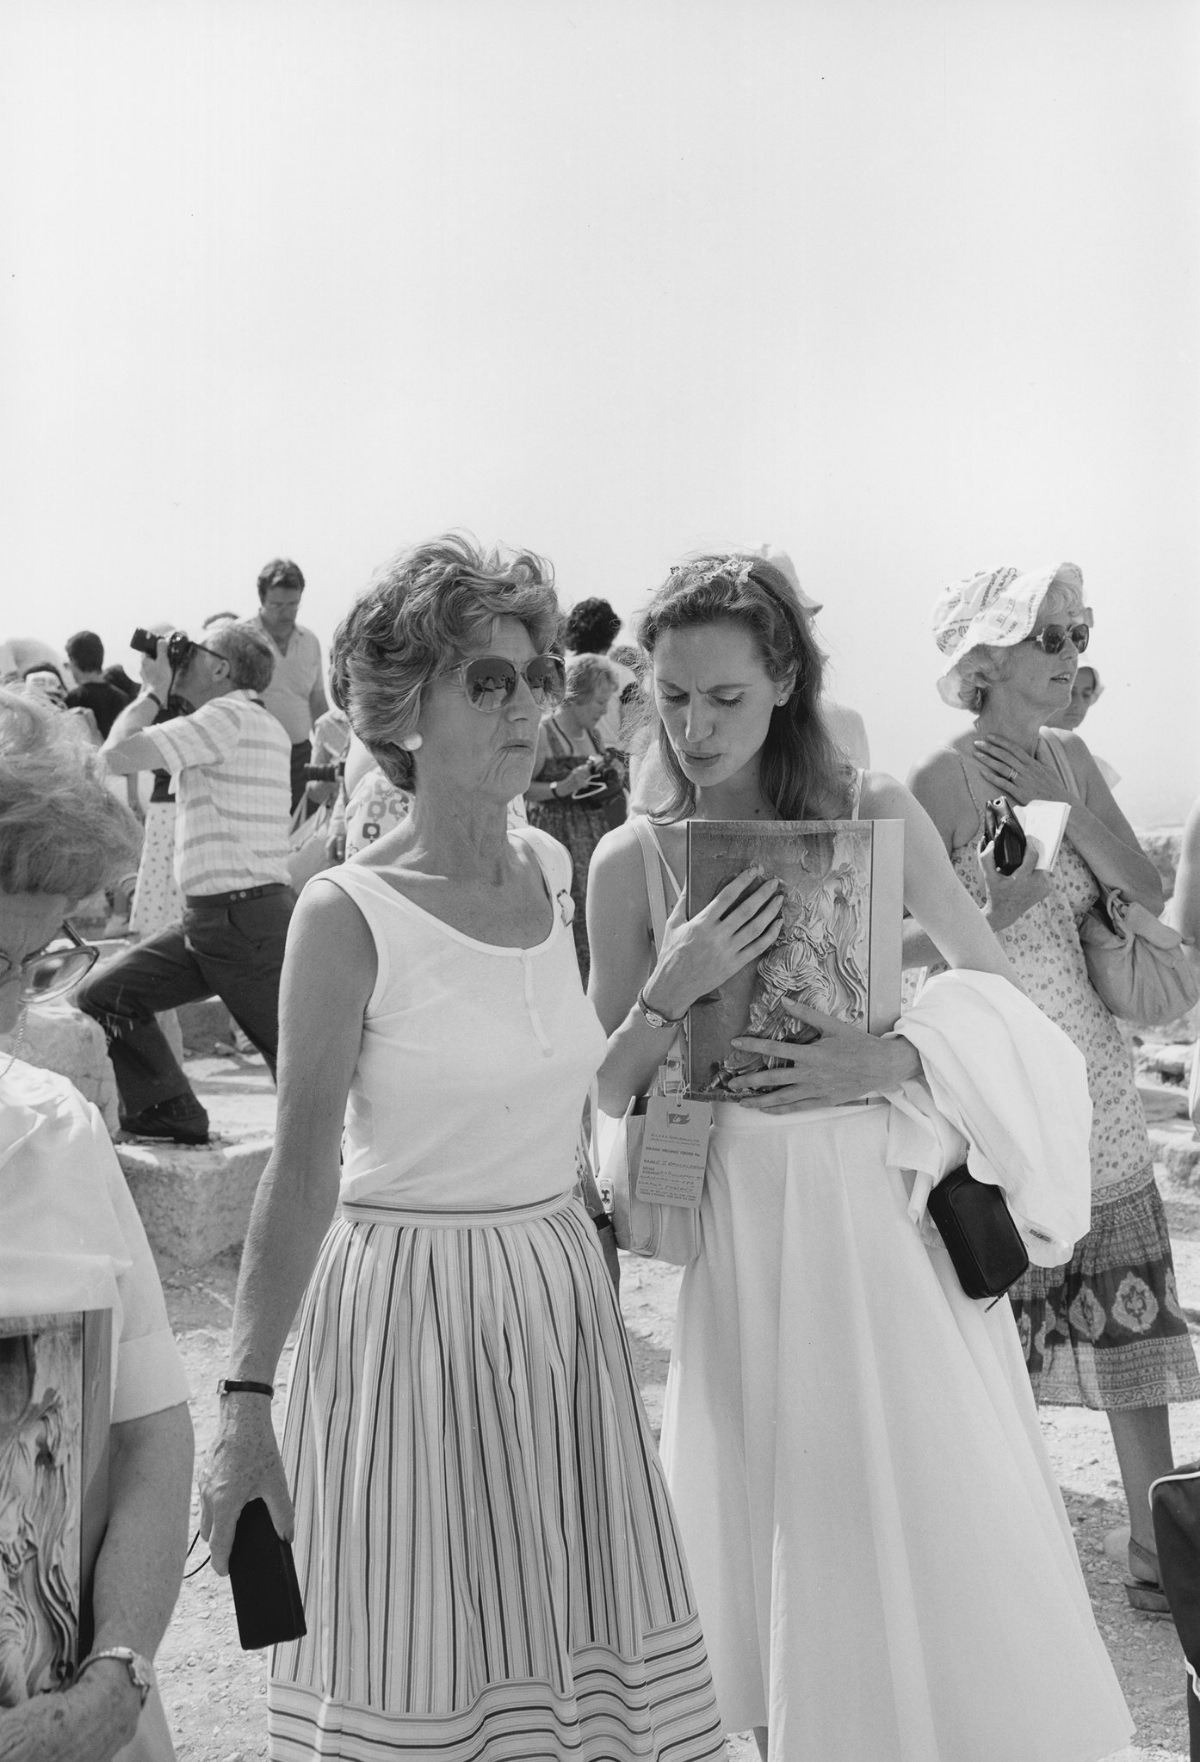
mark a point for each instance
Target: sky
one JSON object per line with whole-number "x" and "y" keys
{"x": 907, "y": 287}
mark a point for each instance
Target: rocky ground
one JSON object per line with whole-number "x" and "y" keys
{"x": 215, "y": 1694}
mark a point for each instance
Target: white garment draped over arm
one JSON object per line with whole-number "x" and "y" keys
{"x": 1002, "y": 1079}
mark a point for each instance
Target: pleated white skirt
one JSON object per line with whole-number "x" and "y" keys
{"x": 486, "y": 1548}
{"x": 882, "y": 1562}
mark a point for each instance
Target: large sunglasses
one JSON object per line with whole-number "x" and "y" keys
{"x": 53, "y": 970}
{"x": 490, "y": 681}
{"x": 1051, "y": 637}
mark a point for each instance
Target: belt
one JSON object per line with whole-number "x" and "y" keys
{"x": 194, "y": 900}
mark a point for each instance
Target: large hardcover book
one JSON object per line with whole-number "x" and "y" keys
{"x": 838, "y": 949}
{"x": 54, "y": 1424}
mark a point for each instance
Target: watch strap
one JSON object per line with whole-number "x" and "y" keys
{"x": 655, "y": 1017}
{"x": 242, "y": 1386}
{"x": 141, "y": 1671}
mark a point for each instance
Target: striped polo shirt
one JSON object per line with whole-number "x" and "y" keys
{"x": 231, "y": 761}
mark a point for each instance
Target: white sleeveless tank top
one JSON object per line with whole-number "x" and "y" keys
{"x": 475, "y": 1060}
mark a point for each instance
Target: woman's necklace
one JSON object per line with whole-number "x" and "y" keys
{"x": 578, "y": 743}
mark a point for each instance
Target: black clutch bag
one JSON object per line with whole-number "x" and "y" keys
{"x": 1004, "y": 832}
{"x": 262, "y": 1574}
{"x": 977, "y": 1228}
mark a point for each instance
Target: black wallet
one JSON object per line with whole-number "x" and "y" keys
{"x": 262, "y": 1575}
{"x": 1004, "y": 832}
{"x": 977, "y": 1227}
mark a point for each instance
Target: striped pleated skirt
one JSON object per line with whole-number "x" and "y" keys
{"x": 487, "y": 1552}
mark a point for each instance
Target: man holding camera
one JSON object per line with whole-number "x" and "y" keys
{"x": 231, "y": 760}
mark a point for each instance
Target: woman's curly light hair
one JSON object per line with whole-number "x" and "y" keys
{"x": 584, "y": 673}
{"x": 422, "y": 612}
{"x": 989, "y": 663}
{"x": 62, "y": 830}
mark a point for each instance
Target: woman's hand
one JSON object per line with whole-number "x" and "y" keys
{"x": 1015, "y": 773}
{"x": 573, "y": 780}
{"x": 243, "y": 1464}
{"x": 1011, "y": 896}
{"x": 841, "y": 1063}
{"x": 698, "y": 954}
{"x": 89, "y": 1722}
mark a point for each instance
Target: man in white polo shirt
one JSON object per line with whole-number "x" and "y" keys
{"x": 230, "y": 761}
{"x": 296, "y": 694}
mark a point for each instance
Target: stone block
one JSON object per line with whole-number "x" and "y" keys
{"x": 204, "y": 1026}
{"x": 194, "y": 1202}
{"x": 58, "y": 1037}
{"x": 1176, "y": 1150}
{"x": 1161, "y": 845}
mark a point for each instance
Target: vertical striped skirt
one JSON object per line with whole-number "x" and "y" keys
{"x": 487, "y": 1552}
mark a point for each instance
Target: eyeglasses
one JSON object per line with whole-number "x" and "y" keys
{"x": 490, "y": 681}
{"x": 1051, "y": 637}
{"x": 52, "y": 971}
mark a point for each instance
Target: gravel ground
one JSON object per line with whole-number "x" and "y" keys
{"x": 215, "y": 1694}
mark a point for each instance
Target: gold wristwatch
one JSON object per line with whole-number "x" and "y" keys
{"x": 141, "y": 1671}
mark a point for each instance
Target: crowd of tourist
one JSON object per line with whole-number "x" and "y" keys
{"x": 450, "y": 911}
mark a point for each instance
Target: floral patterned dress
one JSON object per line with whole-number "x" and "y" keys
{"x": 1106, "y": 1330}
{"x": 578, "y": 825}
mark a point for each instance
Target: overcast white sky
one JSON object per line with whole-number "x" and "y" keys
{"x": 907, "y": 287}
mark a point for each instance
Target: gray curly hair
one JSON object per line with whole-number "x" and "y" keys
{"x": 423, "y": 610}
{"x": 62, "y": 830}
{"x": 584, "y": 673}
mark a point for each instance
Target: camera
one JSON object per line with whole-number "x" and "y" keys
{"x": 179, "y": 645}
{"x": 324, "y": 773}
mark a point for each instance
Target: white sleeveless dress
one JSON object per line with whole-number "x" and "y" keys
{"x": 487, "y": 1554}
{"x": 883, "y": 1566}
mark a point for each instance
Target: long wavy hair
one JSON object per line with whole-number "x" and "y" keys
{"x": 802, "y": 771}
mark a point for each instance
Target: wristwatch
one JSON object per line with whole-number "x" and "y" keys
{"x": 654, "y": 1017}
{"x": 141, "y": 1671}
{"x": 240, "y": 1386}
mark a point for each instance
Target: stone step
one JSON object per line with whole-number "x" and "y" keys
{"x": 195, "y": 1201}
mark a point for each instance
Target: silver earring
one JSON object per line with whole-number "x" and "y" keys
{"x": 411, "y": 742}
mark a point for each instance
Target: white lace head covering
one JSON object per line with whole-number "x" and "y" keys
{"x": 996, "y": 608}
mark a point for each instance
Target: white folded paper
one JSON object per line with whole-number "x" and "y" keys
{"x": 1044, "y": 822}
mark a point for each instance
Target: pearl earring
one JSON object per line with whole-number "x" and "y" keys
{"x": 411, "y": 742}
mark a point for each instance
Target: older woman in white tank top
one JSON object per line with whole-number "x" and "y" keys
{"x": 485, "y": 1544}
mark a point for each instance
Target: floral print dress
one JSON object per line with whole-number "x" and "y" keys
{"x": 1106, "y": 1330}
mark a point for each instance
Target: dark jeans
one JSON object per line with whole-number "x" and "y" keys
{"x": 301, "y": 756}
{"x": 234, "y": 952}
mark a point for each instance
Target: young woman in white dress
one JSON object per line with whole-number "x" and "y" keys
{"x": 880, "y": 1555}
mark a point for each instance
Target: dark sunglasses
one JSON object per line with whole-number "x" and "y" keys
{"x": 1051, "y": 637}
{"x": 490, "y": 681}
{"x": 52, "y": 971}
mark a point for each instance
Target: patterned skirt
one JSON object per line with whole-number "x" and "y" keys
{"x": 1106, "y": 1330}
{"x": 156, "y": 901}
{"x": 487, "y": 1552}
